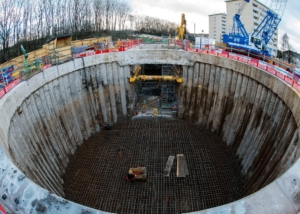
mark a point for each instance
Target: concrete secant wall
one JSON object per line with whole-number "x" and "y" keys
{"x": 47, "y": 117}
{"x": 252, "y": 119}
{"x": 56, "y": 118}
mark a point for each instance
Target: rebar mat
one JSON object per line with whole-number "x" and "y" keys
{"x": 96, "y": 176}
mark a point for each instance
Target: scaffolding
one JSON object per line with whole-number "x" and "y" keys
{"x": 168, "y": 89}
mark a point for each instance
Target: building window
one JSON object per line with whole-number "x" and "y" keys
{"x": 237, "y": 5}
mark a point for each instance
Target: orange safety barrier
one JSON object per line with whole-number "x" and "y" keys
{"x": 277, "y": 71}
{"x": 122, "y": 46}
{"x": 287, "y": 76}
{"x": 125, "y": 45}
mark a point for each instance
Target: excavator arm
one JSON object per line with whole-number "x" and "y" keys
{"x": 181, "y": 30}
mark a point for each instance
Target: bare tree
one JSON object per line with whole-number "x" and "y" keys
{"x": 25, "y": 20}
{"x": 39, "y": 19}
{"x": 151, "y": 25}
{"x": 49, "y": 7}
{"x": 287, "y": 50}
{"x": 10, "y": 11}
{"x": 98, "y": 6}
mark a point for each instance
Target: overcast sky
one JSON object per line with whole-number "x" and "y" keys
{"x": 198, "y": 10}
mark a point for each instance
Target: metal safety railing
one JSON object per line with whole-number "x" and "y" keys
{"x": 14, "y": 73}
{"x": 284, "y": 71}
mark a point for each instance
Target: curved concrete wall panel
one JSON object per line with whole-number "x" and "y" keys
{"x": 55, "y": 119}
{"x": 252, "y": 119}
{"x": 47, "y": 117}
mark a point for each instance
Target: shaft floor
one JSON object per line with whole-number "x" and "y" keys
{"x": 96, "y": 176}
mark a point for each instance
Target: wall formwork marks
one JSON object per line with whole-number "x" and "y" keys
{"x": 255, "y": 113}
{"x": 55, "y": 119}
{"x": 252, "y": 120}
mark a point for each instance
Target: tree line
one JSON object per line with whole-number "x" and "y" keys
{"x": 151, "y": 25}
{"x": 31, "y": 22}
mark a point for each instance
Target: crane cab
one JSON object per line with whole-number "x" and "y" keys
{"x": 256, "y": 41}
{"x": 259, "y": 43}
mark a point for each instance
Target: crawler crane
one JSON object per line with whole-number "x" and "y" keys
{"x": 238, "y": 38}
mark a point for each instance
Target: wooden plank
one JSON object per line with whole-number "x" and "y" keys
{"x": 169, "y": 165}
{"x": 182, "y": 169}
{"x": 180, "y": 166}
{"x": 186, "y": 171}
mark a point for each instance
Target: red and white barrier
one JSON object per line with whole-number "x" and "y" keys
{"x": 2, "y": 92}
{"x": 233, "y": 56}
{"x": 288, "y": 77}
{"x": 244, "y": 59}
{"x": 125, "y": 45}
{"x": 46, "y": 67}
{"x": 262, "y": 65}
{"x": 296, "y": 85}
{"x": 253, "y": 62}
{"x": 289, "y": 80}
{"x": 224, "y": 54}
{"x": 271, "y": 69}
{"x": 211, "y": 52}
{"x": 11, "y": 85}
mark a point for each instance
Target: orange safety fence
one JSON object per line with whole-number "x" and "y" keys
{"x": 10, "y": 77}
{"x": 290, "y": 75}
{"x": 122, "y": 46}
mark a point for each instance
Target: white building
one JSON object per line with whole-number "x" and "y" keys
{"x": 251, "y": 15}
{"x": 217, "y": 26}
{"x": 203, "y": 42}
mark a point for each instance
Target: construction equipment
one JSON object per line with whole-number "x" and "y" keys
{"x": 238, "y": 38}
{"x": 144, "y": 106}
{"x": 154, "y": 112}
{"x": 238, "y": 35}
{"x": 181, "y": 30}
{"x": 25, "y": 58}
{"x": 140, "y": 173}
{"x": 265, "y": 30}
{"x": 97, "y": 46}
{"x": 135, "y": 76}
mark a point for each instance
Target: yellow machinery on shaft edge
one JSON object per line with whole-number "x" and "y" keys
{"x": 181, "y": 30}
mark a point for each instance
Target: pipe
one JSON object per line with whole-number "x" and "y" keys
{"x": 159, "y": 78}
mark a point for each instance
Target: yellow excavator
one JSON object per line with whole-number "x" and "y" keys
{"x": 181, "y": 30}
